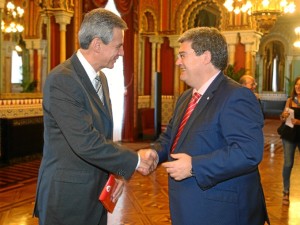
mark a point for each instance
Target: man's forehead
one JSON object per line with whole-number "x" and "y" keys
{"x": 186, "y": 45}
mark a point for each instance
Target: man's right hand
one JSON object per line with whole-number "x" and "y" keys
{"x": 148, "y": 161}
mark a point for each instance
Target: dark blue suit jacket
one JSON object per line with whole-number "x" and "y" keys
{"x": 225, "y": 139}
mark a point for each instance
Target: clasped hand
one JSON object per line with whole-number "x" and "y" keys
{"x": 148, "y": 161}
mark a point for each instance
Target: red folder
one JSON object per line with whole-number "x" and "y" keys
{"x": 106, "y": 194}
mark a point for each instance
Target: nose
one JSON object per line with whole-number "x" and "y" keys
{"x": 178, "y": 61}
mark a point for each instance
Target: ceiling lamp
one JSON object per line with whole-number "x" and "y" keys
{"x": 265, "y": 12}
{"x": 12, "y": 21}
{"x": 297, "y": 42}
{"x": 238, "y": 6}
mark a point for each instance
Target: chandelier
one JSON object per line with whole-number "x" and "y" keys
{"x": 238, "y": 6}
{"x": 12, "y": 21}
{"x": 265, "y": 12}
{"x": 297, "y": 42}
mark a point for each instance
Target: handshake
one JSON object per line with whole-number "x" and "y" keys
{"x": 148, "y": 161}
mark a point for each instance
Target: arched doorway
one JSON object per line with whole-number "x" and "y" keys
{"x": 274, "y": 67}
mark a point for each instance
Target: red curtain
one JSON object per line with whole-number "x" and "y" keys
{"x": 127, "y": 13}
{"x": 100, "y": 3}
{"x": 125, "y": 8}
{"x": 167, "y": 71}
{"x": 240, "y": 57}
{"x": 55, "y": 43}
{"x": 147, "y": 67}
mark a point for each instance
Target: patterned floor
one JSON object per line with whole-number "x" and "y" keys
{"x": 145, "y": 198}
{"x": 18, "y": 174}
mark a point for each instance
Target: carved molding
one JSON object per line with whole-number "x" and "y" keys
{"x": 20, "y": 108}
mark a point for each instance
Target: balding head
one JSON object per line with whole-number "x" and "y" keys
{"x": 248, "y": 81}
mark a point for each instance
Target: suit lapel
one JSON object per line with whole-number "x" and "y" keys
{"x": 207, "y": 96}
{"x": 180, "y": 112}
{"x": 84, "y": 79}
{"x": 107, "y": 101}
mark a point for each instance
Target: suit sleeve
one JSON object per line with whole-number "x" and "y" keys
{"x": 72, "y": 114}
{"x": 239, "y": 141}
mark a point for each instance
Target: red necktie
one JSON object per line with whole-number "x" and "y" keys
{"x": 185, "y": 118}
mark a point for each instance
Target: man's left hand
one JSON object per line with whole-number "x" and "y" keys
{"x": 180, "y": 168}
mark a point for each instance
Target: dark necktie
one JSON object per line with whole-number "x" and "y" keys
{"x": 99, "y": 88}
{"x": 185, "y": 118}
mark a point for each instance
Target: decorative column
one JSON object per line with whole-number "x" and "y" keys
{"x": 259, "y": 68}
{"x": 248, "y": 69}
{"x": 156, "y": 41}
{"x": 6, "y": 76}
{"x": 63, "y": 18}
{"x": 232, "y": 40}
{"x": 288, "y": 64}
{"x": 44, "y": 69}
{"x": 2, "y": 5}
{"x": 173, "y": 39}
{"x": 46, "y": 18}
{"x": 231, "y": 54}
{"x": 141, "y": 65}
{"x": 251, "y": 40}
{"x": 39, "y": 45}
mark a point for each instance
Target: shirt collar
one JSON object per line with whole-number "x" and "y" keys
{"x": 204, "y": 87}
{"x": 87, "y": 67}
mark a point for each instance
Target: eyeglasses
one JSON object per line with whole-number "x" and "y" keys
{"x": 182, "y": 55}
{"x": 252, "y": 84}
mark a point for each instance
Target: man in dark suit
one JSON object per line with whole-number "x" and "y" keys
{"x": 78, "y": 149}
{"x": 213, "y": 163}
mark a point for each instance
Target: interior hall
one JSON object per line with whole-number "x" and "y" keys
{"x": 37, "y": 35}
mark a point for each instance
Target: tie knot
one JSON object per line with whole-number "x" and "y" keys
{"x": 97, "y": 83}
{"x": 97, "y": 79}
{"x": 196, "y": 97}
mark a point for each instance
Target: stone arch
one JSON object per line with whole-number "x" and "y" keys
{"x": 188, "y": 11}
{"x": 148, "y": 22}
{"x": 274, "y": 50}
{"x": 274, "y": 37}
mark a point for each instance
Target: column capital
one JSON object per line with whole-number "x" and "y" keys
{"x": 174, "y": 41}
{"x": 231, "y": 37}
{"x": 35, "y": 43}
{"x": 251, "y": 39}
{"x": 154, "y": 39}
{"x": 63, "y": 18}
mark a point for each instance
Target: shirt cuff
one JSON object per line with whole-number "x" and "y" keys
{"x": 139, "y": 161}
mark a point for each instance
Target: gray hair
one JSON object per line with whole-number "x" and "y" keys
{"x": 208, "y": 39}
{"x": 99, "y": 23}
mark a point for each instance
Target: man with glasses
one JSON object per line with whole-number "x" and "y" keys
{"x": 249, "y": 82}
{"x": 214, "y": 142}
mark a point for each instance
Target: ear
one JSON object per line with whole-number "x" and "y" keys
{"x": 206, "y": 57}
{"x": 96, "y": 44}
